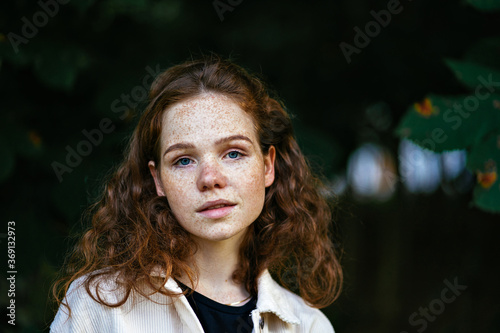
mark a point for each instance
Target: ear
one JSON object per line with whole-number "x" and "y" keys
{"x": 154, "y": 173}
{"x": 269, "y": 166}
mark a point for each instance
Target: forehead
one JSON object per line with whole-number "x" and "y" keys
{"x": 205, "y": 118}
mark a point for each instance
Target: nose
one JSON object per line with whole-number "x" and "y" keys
{"x": 210, "y": 176}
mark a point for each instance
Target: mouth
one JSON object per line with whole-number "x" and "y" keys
{"x": 216, "y": 204}
{"x": 216, "y": 209}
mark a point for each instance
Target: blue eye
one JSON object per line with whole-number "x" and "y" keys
{"x": 184, "y": 161}
{"x": 233, "y": 154}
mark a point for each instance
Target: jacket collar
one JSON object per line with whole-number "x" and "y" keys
{"x": 271, "y": 297}
{"x": 274, "y": 298}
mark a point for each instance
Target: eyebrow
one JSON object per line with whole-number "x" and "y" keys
{"x": 185, "y": 145}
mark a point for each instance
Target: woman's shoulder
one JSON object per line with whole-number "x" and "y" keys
{"x": 100, "y": 284}
{"x": 131, "y": 311}
{"x": 81, "y": 310}
{"x": 308, "y": 315}
{"x": 101, "y": 288}
{"x": 293, "y": 308}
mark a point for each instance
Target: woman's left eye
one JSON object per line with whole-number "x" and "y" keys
{"x": 234, "y": 154}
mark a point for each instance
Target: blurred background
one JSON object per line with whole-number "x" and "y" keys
{"x": 419, "y": 228}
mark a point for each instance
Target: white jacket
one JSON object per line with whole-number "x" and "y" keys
{"x": 278, "y": 310}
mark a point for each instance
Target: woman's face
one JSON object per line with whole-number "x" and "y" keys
{"x": 210, "y": 152}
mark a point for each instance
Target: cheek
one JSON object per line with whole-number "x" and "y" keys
{"x": 253, "y": 184}
{"x": 177, "y": 191}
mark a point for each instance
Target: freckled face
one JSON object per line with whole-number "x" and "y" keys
{"x": 210, "y": 152}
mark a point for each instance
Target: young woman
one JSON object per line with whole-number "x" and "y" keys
{"x": 212, "y": 204}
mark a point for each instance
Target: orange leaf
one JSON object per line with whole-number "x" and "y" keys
{"x": 486, "y": 179}
{"x": 425, "y": 108}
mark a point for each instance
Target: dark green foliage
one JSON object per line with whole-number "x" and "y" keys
{"x": 485, "y": 5}
{"x": 484, "y": 159}
{"x": 470, "y": 122}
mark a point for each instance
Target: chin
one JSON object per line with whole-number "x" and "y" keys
{"x": 222, "y": 235}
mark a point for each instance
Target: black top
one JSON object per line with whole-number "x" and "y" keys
{"x": 219, "y": 318}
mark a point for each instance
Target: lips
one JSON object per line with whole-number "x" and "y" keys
{"x": 216, "y": 209}
{"x": 217, "y": 204}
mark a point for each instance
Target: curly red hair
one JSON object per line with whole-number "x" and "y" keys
{"x": 133, "y": 230}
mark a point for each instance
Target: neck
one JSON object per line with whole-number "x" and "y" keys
{"x": 216, "y": 261}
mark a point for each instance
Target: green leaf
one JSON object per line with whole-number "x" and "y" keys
{"x": 473, "y": 75}
{"x": 448, "y": 123}
{"x": 485, "y": 52}
{"x": 58, "y": 65}
{"x": 484, "y": 160}
{"x": 485, "y": 5}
